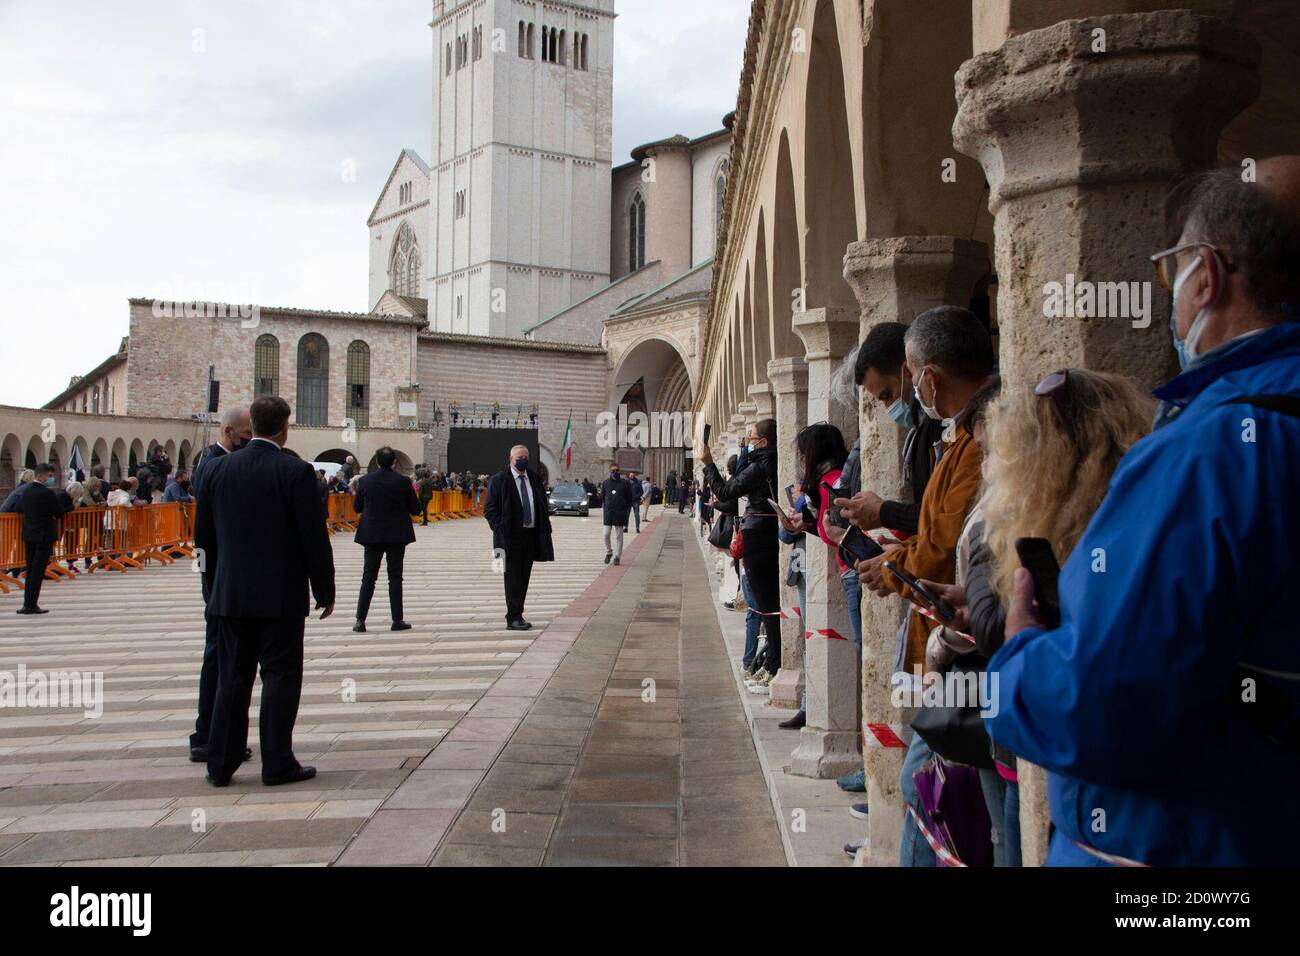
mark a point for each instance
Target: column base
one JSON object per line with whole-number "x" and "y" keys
{"x": 825, "y": 754}
{"x": 787, "y": 688}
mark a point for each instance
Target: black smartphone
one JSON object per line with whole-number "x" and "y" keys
{"x": 833, "y": 515}
{"x": 941, "y": 607}
{"x": 789, "y": 496}
{"x": 707, "y": 429}
{"x": 856, "y": 546}
{"x": 1036, "y": 555}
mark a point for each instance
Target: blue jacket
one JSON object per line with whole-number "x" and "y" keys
{"x": 1127, "y": 704}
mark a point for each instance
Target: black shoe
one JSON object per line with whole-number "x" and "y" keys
{"x": 616, "y": 562}
{"x": 359, "y": 627}
{"x": 200, "y": 754}
{"x": 31, "y": 610}
{"x": 401, "y": 626}
{"x": 519, "y": 625}
{"x": 218, "y": 783}
{"x": 608, "y": 555}
{"x": 795, "y": 722}
{"x": 293, "y": 776}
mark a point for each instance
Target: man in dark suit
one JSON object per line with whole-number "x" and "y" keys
{"x": 521, "y": 529}
{"x": 385, "y": 500}
{"x": 236, "y": 430}
{"x": 617, "y": 495}
{"x": 42, "y": 510}
{"x": 263, "y": 541}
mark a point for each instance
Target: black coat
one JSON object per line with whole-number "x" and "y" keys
{"x": 618, "y": 497}
{"x": 385, "y": 500}
{"x": 756, "y": 483}
{"x": 263, "y": 539}
{"x": 504, "y": 516}
{"x": 41, "y": 509}
{"x": 210, "y": 454}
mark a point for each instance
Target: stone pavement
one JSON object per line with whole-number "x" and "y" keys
{"x": 611, "y": 733}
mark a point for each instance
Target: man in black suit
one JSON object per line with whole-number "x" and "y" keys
{"x": 521, "y": 529}
{"x": 385, "y": 500}
{"x": 42, "y": 510}
{"x": 618, "y": 497}
{"x": 236, "y": 431}
{"x": 263, "y": 540}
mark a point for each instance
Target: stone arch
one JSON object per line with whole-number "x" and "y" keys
{"x": 403, "y": 464}
{"x": 336, "y": 455}
{"x": 787, "y": 274}
{"x": 623, "y": 369}
{"x": 759, "y": 293}
{"x": 117, "y": 459}
{"x": 58, "y": 453}
{"x": 135, "y": 457}
{"x": 169, "y": 449}
{"x": 11, "y": 460}
{"x": 549, "y": 465}
{"x": 738, "y": 387}
{"x": 82, "y": 447}
{"x": 99, "y": 454}
{"x": 184, "y": 454}
{"x": 829, "y": 208}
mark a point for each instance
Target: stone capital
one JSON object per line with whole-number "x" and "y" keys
{"x": 748, "y": 412}
{"x": 898, "y": 278}
{"x": 788, "y": 376}
{"x": 826, "y": 333}
{"x": 1092, "y": 102}
{"x": 764, "y": 400}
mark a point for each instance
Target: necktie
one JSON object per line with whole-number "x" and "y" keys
{"x": 523, "y": 499}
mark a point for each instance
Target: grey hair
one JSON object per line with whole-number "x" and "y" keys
{"x": 844, "y": 388}
{"x": 952, "y": 338}
{"x": 1250, "y": 230}
{"x": 231, "y": 417}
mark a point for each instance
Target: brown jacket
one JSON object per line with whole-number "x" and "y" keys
{"x": 931, "y": 553}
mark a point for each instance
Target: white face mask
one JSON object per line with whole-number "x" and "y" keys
{"x": 1187, "y": 347}
{"x": 930, "y": 410}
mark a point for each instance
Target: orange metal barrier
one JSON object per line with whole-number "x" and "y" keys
{"x": 449, "y": 505}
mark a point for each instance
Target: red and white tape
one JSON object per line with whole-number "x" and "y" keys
{"x": 884, "y": 735}
{"x": 827, "y": 632}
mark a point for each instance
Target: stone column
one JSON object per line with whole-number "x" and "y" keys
{"x": 828, "y": 744}
{"x": 1133, "y": 103}
{"x": 789, "y": 384}
{"x": 764, "y": 402}
{"x": 895, "y": 280}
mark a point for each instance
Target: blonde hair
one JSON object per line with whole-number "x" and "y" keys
{"x": 1048, "y": 466}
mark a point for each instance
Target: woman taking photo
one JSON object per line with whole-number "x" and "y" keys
{"x": 755, "y": 480}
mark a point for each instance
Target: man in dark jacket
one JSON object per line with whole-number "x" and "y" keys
{"x": 521, "y": 530}
{"x": 385, "y": 500}
{"x": 426, "y": 495}
{"x": 41, "y": 509}
{"x": 259, "y": 528}
{"x": 236, "y": 431}
{"x": 616, "y": 492}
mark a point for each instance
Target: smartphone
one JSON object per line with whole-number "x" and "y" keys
{"x": 856, "y": 546}
{"x": 789, "y": 494}
{"x": 833, "y": 515}
{"x": 1036, "y": 555}
{"x": 941, "y": 607}
{"x": 707, "y": 428}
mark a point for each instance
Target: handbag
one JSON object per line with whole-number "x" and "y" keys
{"x": 721, "y": 533}
{"x": 954, "y": 817}
{"x": 957, "y": 733}
{"x": 737, "y": 545}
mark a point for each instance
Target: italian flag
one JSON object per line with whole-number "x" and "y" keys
{"x": 567, "y": 449}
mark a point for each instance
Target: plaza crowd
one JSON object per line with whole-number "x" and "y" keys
{"x": 1157, "y": 680}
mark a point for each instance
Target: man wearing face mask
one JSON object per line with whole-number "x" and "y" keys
{"x": 881, "y": 371}
{"x": 1170, "y": 693}
{"x": 41, "y": 510}
{"x": 236, "y": 432}
{"x": 521, "y": 530}
{"x": 618, "y": 496}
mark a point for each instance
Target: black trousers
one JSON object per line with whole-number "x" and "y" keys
{"x": 395, "y": 555}
{"x": 761, "y": 552}
{"x": 38, "y": 556}
{"x": 519, "y": 569}
{"x": 424, "y": 510}
{"x": 243, "y": 644}
{"x": 207, "y": 682}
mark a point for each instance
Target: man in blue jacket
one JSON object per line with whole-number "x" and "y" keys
{"x": 1165, "y": 705}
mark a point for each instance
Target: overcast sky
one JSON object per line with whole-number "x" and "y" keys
{"x": 187, "y": 149}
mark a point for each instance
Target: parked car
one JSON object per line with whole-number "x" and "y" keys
{"x": 567, "y": 497}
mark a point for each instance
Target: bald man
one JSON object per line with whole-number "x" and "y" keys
{"x": 521, "y": 529}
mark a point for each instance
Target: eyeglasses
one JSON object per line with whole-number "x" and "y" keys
{"x": 1166, "y": 262}
{"x": 1054, "y": 386}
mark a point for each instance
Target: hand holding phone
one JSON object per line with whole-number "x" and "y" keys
{"x": 945, "y": 610}
{"x": 1036, "y": 556}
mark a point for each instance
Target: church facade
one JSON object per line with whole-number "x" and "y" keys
{"x": 515, "y": 277}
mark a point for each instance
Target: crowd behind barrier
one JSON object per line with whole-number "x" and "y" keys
{"x": 127, "y": 537}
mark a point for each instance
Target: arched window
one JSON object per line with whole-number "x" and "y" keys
{"x": 266, "y": 366}
{"x": 313, "y": 380}
{"x": 95, "y": 399}
{"x": 585, "y": 38}
{"x": 359, "y": 383}
{"x": 531, "y": 48}
{"x": 521, "y": 39}
{"x": 563, "y": 57}
{"x": 636, "y": 234}
{"x": 404, "y": 263}
{"x": 449, "y": 59}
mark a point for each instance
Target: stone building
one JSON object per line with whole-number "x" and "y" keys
{"x": 515, "y": 269}
{"x": 893, "y": 155}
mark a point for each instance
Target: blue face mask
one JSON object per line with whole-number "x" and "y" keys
{"x": 900, "y": 413}
{"x": 49, "y": 482}
{"x": 521, "y": 464}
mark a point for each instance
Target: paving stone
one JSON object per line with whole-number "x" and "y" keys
{"x": 503, "y": 829}
{"x": 460, "y": 854}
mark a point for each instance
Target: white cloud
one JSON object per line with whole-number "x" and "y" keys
{"x": 153, "y": 145}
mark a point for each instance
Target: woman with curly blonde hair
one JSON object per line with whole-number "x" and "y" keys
{"x": 1050, "y": 453}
